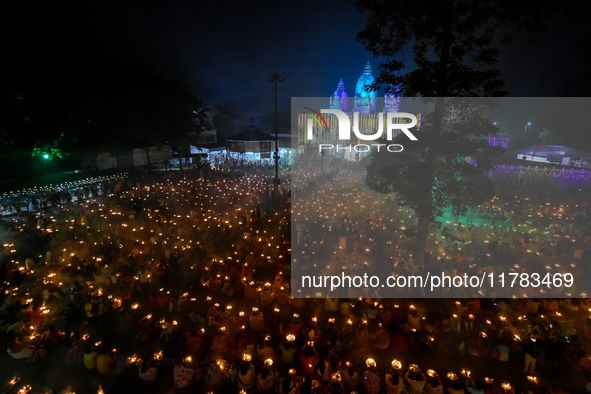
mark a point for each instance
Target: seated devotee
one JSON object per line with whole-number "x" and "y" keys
{"x": 50, "y": 338}
{"x": 246, "y": 375}
{"x": 215, "y": 375}
{"x": 148, "y": 371}
{"x": 183, "y": 373}
{"x": 433, "y": 385}
{"x": 19, "y": 350}
{"x": 266, "y": 378}
{"x": 90, "y": 355}
{"x": 372, "y": 382}
{"x": 393, "y": 381}
{"x": 415, "y": 379}
{"x": 104, "y": 362}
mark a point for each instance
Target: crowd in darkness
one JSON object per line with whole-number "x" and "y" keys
{"x": 183, "y": 280}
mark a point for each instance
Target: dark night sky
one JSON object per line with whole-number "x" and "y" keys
{"x": 225, "y": 51}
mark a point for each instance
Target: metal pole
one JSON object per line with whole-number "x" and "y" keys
{"x": 276, "y": 79}
{"x": 525, "y": 132}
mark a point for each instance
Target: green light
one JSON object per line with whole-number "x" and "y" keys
{"x": 45, "y": 156}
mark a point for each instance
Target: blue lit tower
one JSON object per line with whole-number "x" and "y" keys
{"x": 365, "y": 101}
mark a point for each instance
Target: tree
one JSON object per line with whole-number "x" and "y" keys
{"x": 187, "y": 118}
{"x": 549, "y": 137}
{"x": 454, "y": 45}
{"x": 85, "y": 110}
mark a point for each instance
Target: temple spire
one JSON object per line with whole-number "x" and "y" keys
{"x": 365, "y": 101}
{"x": 340, "y": 97}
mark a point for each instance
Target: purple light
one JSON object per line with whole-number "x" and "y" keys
{"x": 557, "y": 173}
{"x": 496, "y": 141}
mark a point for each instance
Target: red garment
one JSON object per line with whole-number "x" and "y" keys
{"x": 283, "y": 300}
{"x": 250, "y": 293}
{"x": 163, "y": 269}
{"x": 299, "y": 303}
{"x": 475, "y": 305}
{"x": 195, "y": 344}
{"x": 126, "y": 293}
{"x": 398, "y": 343}
{"x": 153, "y": 301}
{"x": 308, "y": 363}
{"x": 163, "y": 300}
{"x": 295, "y": 329}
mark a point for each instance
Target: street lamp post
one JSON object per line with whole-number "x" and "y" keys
{"x": 276, "y": 78}
{"x": 498, "y": 126}
{"x": 525, "y": 132}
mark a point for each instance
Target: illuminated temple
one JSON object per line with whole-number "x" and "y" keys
{"x": 365, "y": 102}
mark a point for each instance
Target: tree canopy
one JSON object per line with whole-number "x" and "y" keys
{"x": 76, "y": 110}
{"x": 455, "y": 45}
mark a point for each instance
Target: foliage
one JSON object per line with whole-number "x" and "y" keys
{"x": 458, "y": 177}
{"x": 455, "y": 44}
{"x": 114, "y": 110}
{"x": 549, "y": 137}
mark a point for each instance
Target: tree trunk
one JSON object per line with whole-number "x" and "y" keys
{"x": 421, "y": 239}
{"x": 148, "y": 158}
{"x": 426, "y": 208}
